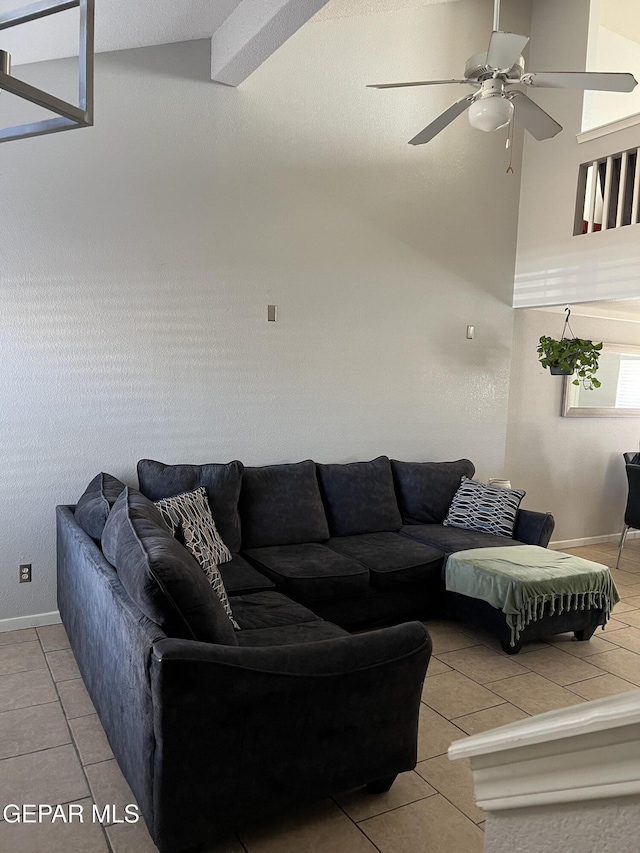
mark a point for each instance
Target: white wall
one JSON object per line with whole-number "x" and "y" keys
{"x": 608, "y": 826}
{"x": 572, "y": 467}
{"x": 138, "y": 259}
{"x": 613, "y": 52}
{"x": 552, "y": 265}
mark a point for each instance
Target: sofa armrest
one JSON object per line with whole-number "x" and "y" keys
{"x": 534, "y": 528}
{"x": 325, "y": 657}
{"x": 242, "y": 732}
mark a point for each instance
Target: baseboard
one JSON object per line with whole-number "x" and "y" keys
{"x": 35, "y": 621}
{"x": 591, "y": 540}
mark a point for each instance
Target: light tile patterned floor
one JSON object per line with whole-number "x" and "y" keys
{"x": 53, "y": 749}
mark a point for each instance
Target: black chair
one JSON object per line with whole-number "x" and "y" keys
{"x": 632, "y": 512}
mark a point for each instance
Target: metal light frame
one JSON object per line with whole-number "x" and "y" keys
{"x": 68, "y": 116}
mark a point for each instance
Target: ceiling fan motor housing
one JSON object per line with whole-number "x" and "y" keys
{"x": 476, "y": 70}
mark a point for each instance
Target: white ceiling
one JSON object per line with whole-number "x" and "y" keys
{"x": 123, "y": 24}
{"x": 120, "y": 24}
{"x": 351, "y": 8}
{"x": 621, "y": 16}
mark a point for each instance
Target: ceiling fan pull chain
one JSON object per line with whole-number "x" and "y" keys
{"x": 509, "y": 147}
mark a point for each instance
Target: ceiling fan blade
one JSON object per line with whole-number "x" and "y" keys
{"x": 505, "y": 49}
{"x": 534, "y": 118}
{"x": 419, "y": 83}
{"x": 442, "y": 121}
{"x": 593, "y": 80}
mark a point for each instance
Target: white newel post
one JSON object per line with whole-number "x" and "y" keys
{"x": 563, "y": 782}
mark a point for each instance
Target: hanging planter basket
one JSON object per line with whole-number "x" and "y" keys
{"x": 571, "y": 356}
{"x": 556, "y": 370}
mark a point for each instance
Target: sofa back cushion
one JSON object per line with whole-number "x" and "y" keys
{"x": 160, "y": 575}
{"x": 359, "y": 497}
{"x": 281, "y": 505}
{"x": 93, "y": 508}
{"x": 222, "y": 484}
{"x": 425, "y": 489}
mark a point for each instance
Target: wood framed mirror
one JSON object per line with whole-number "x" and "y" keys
{"x": 619, "y": 395}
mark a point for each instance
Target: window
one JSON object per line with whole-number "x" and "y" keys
{"x": 628, "y": 391}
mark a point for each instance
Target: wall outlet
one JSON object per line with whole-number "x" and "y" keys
{"x": 25, "y": 573}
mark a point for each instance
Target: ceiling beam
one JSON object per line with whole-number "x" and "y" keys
{"x": 252, "y": 32}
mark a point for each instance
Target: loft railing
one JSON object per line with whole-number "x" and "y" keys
{"x": 608, "y": 193}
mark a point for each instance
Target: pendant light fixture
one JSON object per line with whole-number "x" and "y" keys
{"x": 67, "y": 116}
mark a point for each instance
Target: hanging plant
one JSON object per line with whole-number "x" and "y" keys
{"x": 569, "y": 356}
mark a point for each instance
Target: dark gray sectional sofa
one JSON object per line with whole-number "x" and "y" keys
{"x": 360, "y": 543}
{"x": 214, "y": 727}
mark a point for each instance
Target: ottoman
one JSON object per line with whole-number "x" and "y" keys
{"x": 524, "y": 592}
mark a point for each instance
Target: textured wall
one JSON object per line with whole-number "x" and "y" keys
{"x": 138, "y": 258}
{"x": 605, "y": 826}
{"x": 572, "y": 467}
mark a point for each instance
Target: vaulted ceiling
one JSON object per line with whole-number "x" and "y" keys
{"x": 245, "y": 32}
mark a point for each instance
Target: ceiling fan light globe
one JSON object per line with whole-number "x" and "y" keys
{"x": 490, "y": 113}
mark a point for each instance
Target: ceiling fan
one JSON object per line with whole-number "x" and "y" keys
{"x": 495, "y": 104}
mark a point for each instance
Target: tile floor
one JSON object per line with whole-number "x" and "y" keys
{"x": 53, "y": 749}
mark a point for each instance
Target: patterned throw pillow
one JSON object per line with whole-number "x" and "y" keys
{"x": 190, "y": 515}
{"x": 488, "y": 509}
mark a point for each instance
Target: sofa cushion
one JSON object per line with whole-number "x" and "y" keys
{"x": 488, "y": 509}
{"x": 222, "y": 483}
{"x": 269, "y": 610}
{"x": 392, "y": 559}
{"x": 451, "y": 539}
{"x": 425, "y": 489}
{"x": 240, "y": 578}
{"x": 310, "y": 572}
{"x": 93, "y": 508}
{"x": 281, "y": 505}
{"x": 307, "y": 632}
{"x": 160, "y": 575}
{"x": 189, "y": 516}
{"x": 359, "y": 497}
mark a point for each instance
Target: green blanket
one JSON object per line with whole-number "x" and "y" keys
{"x": 521, "y": 579}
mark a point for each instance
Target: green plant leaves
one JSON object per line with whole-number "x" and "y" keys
{"x": 576, "y": 355}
